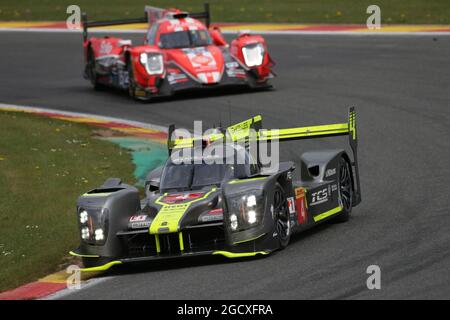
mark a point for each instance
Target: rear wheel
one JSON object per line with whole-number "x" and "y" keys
{"x": 345, "y": 188}
{"x": 280, "y": 214}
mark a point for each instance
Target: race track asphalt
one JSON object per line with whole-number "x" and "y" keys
{"x": 401, "y": 88}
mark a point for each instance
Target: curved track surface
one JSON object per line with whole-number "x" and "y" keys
{"x": 400, "y": 86}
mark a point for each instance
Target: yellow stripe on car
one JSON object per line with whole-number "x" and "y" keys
{"x": 236, "y": 181}
{"x": 102, "y": 267}
{"x": 101, "y": 194}
{"x": 229, "y": 254}
{"x": 158, "y": 246}
{"x": 169, "y": 216}
{"x": 180, "y": 238}
{"x": 83, "y": 255}
{"x": 241, "y": 131}
{"x": 327, "y": 214}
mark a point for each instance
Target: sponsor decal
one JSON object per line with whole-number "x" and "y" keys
{"x": 140, "y": 93}
{"x": 330, "y": 172}
{"x": 291, "y": 205}
{"x": 177, "y": 78}
{"x": 236, "y": 73}
{"x": 201, "y": 59}
{"x": 105, "y": 47}
{"x": 300, "y": 200}
{"x": 175, "y": 25}
{"x": 139, "y": 222}
{"x": 319, "y": 197}
{"x": 213, "y": 215}
{"x": 182, "y": 197}
{"x": 232, "y": 65}
{"x": 140, "y": 225}
{"x": 138, "y": 218}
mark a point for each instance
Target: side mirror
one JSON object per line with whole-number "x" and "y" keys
{"x": 153, "y": 181}
{"x": 153, "y": 185}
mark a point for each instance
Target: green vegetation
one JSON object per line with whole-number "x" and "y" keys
{"x": 294, "y": 11}
{"x": 45, "y": 164}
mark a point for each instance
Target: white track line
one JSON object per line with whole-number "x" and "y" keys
{"x": 4, "y": 106}
{"x": 266, "y": 32}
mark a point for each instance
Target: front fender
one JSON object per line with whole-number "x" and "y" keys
{"x": 119, "y": 203}
{"x": 142, "y": 78}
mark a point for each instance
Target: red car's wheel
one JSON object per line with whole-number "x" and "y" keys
{"x": 91, "y": 69}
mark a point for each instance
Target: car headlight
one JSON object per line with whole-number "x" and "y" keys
{"x": 245, "y": 211}
{"x": 93, "y": 225}
{"x": 84, "y": 216}
{"x": 153, "y": 63}
{"x": 253, "y": 54}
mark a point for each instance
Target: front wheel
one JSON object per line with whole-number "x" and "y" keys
{"x": 345, "y": 188}
{"x": 280, "y": 214}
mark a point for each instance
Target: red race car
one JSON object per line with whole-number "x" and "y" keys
{"x": 179, "y": 53}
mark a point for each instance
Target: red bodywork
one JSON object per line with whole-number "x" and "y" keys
{"x": 216, "y": 63}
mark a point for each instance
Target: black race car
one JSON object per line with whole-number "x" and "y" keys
{"x": 235, "y": 209}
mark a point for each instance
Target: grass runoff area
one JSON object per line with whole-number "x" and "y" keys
{"x": 45, "y": 164}
{"x": 287, "y": 11}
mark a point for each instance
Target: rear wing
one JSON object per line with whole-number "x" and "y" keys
{"x": 237, "y": 133}
{"x": 151, "y": 15}
{"x": 206, "y": 14}
{"x": 241, "y": 133}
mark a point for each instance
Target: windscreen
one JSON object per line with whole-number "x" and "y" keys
{"x": 213, "y": 174}
{"x": 177, "y": 177}
{"x": 192, "y": 176}
{"x": 184, "y": 39}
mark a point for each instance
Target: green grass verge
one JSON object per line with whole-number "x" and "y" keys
{"x": 45, "y": 164}
{"x": 298, "y": 11}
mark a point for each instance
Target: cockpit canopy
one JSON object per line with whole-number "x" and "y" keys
{"x": 196, "y": 168}
{"x": 184, "y": 39}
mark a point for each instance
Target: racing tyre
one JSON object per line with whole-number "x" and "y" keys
{"x": 282, "y": 223}
{"x": 345, "y": 187}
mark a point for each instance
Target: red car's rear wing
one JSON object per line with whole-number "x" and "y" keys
{"x": 92, "y": 24}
